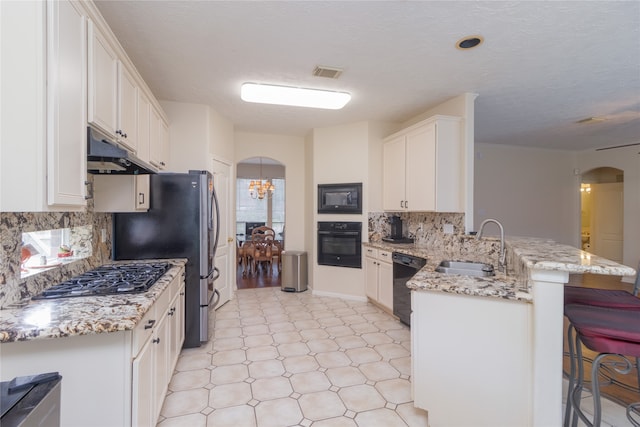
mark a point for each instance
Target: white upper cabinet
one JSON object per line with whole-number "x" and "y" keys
{"x": 423, "y": 167}
{"x": 66, "y": 105}
{"x": 115, "y": 89}
{"x": 143, "y": 127}
{"x": 158, "y": 140}
{"x": 127, "y": 129}
{"x": 43, "y": 114}
{"x": 103, "y": 82}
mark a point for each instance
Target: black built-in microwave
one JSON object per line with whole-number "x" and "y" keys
{"x": 340, "y": 198}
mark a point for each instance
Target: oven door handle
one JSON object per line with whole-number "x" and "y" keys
{"x": 339, "y": 233}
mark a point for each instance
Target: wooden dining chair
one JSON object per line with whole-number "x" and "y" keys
{"x": 262, "y": 252}
{"x": 262, "y": 233}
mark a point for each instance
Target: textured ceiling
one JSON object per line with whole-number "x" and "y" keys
{"x": 543, "y": 65}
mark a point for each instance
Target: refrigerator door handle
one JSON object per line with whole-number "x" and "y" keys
{"x": 211, "y": 273}
{"x": 215, "y": 292}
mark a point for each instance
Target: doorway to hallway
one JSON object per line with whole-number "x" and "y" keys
{"x": 602, "y": 212}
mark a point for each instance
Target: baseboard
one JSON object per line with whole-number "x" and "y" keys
{"x": 337, "y": 295}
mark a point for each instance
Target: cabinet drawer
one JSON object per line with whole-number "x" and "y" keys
{"x": 370, "y": 252}
{"x": 384, "y": 256}
{"x": 143, "y": 330}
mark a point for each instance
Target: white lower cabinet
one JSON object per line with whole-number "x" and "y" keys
{"x": 109, "y": 379}
{"x": 379, "y": 277}
{"x": 153, "y": 365}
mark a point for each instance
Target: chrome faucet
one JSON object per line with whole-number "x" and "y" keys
{"x": 502, "y": 263}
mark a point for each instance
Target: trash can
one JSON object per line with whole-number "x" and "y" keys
{"x": 294, "y": 271}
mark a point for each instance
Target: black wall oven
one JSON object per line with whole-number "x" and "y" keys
{"x": 340, "y": 244}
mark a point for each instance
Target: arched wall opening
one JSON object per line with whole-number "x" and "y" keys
{"x": 602, "y": 212}
{"x": 257, "y": 207}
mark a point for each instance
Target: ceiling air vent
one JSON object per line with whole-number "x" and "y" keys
{"x": 328, "y": 72}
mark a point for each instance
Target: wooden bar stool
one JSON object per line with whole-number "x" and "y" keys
{"x": 612, "y": 333}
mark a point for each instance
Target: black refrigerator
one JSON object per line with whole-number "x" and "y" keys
{"x": 182, "y": 222}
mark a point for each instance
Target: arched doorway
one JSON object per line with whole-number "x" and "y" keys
{"x": 260, "y": 201}
{"x": 602, "y": 212}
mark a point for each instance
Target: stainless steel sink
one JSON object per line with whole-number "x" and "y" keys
{"x": 466, "y": 268}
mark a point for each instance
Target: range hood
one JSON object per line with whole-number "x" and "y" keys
{"x": 105, "y": 157}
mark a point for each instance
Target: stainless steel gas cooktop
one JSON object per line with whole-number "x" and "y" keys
{"x": 109, "y": 279}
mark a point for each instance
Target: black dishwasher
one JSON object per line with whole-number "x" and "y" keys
{"x": 404, "y": 268}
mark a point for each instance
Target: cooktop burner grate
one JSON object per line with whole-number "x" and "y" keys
{"x": 109, "y": 279}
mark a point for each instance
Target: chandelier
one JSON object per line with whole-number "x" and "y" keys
{"x": 258, "y": 188}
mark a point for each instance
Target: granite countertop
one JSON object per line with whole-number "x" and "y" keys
{"x": 523, "y": 254}
{"x": 56, "y": 318}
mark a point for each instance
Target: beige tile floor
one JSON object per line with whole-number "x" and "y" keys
{"x": 293, "y": 359}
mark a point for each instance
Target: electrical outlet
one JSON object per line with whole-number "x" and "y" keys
{"x": 448, "y": 228}
{"x": 103, "y": 235}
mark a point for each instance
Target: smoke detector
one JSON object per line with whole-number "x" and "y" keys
{"x": 328, "y": 72}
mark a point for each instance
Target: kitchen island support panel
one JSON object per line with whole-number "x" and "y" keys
{"x": 472, "y": 359}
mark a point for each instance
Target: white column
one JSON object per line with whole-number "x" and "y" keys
{"x": 548, "y": 306}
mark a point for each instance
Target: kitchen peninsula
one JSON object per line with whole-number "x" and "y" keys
{"x": 487, "y": 351}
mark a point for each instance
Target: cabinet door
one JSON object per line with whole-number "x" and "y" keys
{"x": 127, "y": 130}
{"x": 66, "y": 104}
{"x": 393, "y": 171}
{"x": 121, "y": 193}
{"x": 143, "y": 122}
{"x": 160, "y": 341}
{"x": 142, "y": 405}
{"x": 421, "y": 169}
{"x": 180, "y": 314}
{"x": 155, "y": 142}
{"x": 143, "y": 185}
{"x": 103, "y": 82}
{"x": 385, "y": 284}
{"x": 371, "y": 277}
{"x": 164, "y": 149}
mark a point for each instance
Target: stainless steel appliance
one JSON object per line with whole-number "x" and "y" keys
{"x": 404, "y": 268}
{"x": 340, "y": 198}
{"x": 32, "y": 400}
{"x": 340, "y": 244}
{"x": 182, "y": 222}
{"x": 108, "y": 279}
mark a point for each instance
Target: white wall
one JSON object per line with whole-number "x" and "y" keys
{"x": 340, "y": 154}
{"x": 221, "y": 138}
{"x": 309, "y": 203}
{"x": 290, "y": 151}
{"x": 188, "y": 136}
{"x": 628, "y": 160}
{"x": 532, "y": 192}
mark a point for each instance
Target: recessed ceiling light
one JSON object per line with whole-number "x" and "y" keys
{"x": 469, "y": 42}
{"x": 295, "y": 96}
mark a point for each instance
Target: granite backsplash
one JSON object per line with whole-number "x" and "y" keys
{"x": 427, "y": 230}
{"x": 13, "y": 288}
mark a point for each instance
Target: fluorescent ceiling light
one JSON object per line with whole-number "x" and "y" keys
{"x": 296, "y": 96}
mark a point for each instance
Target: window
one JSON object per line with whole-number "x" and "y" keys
{"x": 46, "y": 249}
{"x": 270, "y": 211}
